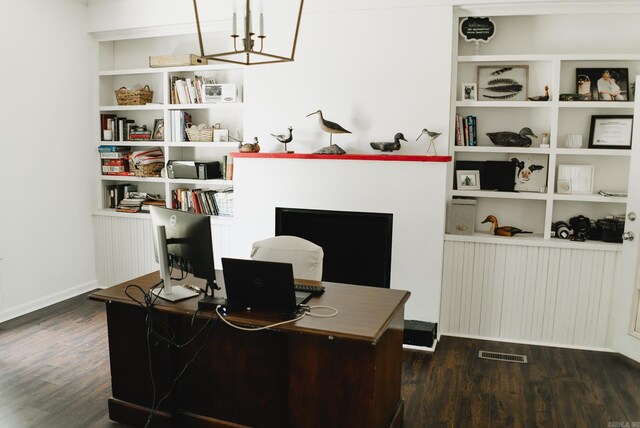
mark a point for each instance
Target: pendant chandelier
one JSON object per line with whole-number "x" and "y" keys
{"x": 250, "y": 49}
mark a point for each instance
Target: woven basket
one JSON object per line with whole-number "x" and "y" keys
{"x": 146, "y": 170}
{"x": 199, "y": 134}
{"x": 134, "y": 97}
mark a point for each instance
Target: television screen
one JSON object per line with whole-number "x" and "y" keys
{"x": 356, "y": 245}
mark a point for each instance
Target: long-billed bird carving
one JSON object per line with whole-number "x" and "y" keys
{"x": 433, "y": 136}
{"x": 330, "y": 127}
{"x": 502, "y": 230}
{"x": 285, "y": 139}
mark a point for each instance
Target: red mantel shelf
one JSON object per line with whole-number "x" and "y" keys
{"x": 366, "y": 157}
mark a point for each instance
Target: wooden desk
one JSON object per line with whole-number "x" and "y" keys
{"x": 343, "y": 371}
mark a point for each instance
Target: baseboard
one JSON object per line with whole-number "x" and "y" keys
{"x": 43, "y": 302}
{"x": 529, "y": 342}
{"x": 431, "y": 348}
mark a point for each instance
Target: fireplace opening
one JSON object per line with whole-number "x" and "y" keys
{"x": 356, "y": 245}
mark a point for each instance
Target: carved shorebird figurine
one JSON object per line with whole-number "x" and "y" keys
{"x": 502, "y": 230}
{"x": 433, "y": 136}
{"x": 512, "y": 139}
{"x": 330, "y": 127}
{"x": 285, "y": 139}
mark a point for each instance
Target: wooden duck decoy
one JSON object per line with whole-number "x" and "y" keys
{"x": 502, "y": 230}
{"x": 249, "y": 147}
{"x": 389, "y": 147}
{"x": 285, "y": 139}
{"x": 544, "y": 97}
{"x": 512, "y": 139}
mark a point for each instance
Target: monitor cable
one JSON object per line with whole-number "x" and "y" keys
{"x": 306, "y": 312}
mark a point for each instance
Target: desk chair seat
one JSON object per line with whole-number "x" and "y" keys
{"x": 305, "y": 256}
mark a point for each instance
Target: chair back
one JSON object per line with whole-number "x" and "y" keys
{"x": 305, "y": 256}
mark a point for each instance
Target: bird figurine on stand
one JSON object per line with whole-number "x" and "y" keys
{"x": 285, "y": 139}
{"x": 249, "y": 147}
{"x": 502, "y": 230}
{"x": 331, "y": 128}
{"x": 433, "y": 136}
{"x": 544, "y": 97}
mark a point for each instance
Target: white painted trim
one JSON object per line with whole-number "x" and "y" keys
{"x": 431, "y": 349}
{"x": 45, "y": 301}
{"x": 527, "y": 342}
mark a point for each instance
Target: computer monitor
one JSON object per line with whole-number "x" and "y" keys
{"x": 183, "y": 240}
{"x": 356, "y": 245}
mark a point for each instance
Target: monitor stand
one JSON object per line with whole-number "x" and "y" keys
{"x": 177, "y": 293}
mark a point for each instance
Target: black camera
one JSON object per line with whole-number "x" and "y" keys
{"x": 580, "y": 225}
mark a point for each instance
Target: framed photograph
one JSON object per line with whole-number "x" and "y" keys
{"x": 220, "y": 135}
{"x": 602, "y": 84}
{"x": 158, "y": 130}
{"x": 611, "y": 132}
{"x": 502, "y": 83}
{"x": 580, "y": 178}
{"x": 468, "y": 179}
{"x": 469, "y": 92}
{"x": 531, "y": 172}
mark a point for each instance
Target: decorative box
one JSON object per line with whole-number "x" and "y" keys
{"x": 176, "y": 60}
{"x": 462, "y": 217}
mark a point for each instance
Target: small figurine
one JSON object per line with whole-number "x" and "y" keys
{"x": 433, "y": 136}
{"x": 285, "y": 139}
{"x": 512, "y": 139}
{"x": 544, "y": 97}
{"x": 389, "y": 147}
{"x": 249, "y": 147}
{"x": 331, "y": 128}
{"x": 502, "y": 230}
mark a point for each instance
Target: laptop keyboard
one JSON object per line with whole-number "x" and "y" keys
{"x": 315, "y": 290}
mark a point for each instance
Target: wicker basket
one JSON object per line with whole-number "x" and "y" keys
{"x": 146, "y": 170}
{"x": 134, "y": 97}
{"x": 199, "y": 134}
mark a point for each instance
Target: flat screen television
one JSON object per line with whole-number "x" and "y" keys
{"x": 356, "y": 245}
{"x": 183, "y": 240}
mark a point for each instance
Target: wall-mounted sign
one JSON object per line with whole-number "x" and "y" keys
{"x": 475, "y": 29}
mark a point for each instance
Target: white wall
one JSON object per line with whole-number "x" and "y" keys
{"x": 48, "y": 163}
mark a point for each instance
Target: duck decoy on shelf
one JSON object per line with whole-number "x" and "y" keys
{"x": 331, "y": 128}
{"x": 433, "y": 136}
{"x": 512, "y": 139}
{"x": 502, "y": 230}
{"x": 389, "y": 147}
{"x": 249, "y": 147}
{"x": 285, "y": 139}
{"x": 544, "y": 97}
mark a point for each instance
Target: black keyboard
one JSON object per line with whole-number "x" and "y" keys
{"x": 315, "y": 290}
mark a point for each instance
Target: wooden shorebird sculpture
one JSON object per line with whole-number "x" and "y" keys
{"x": 502, "y": 230}
{"x": 433, "y": 136}
{"x": 512, "y": 139}
{"x": 331, "y": 128}
{"x": 285, "y": 139}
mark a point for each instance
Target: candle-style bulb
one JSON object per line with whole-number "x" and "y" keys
{"x": 234, "y": 30}
{"x": 261, "y": 24}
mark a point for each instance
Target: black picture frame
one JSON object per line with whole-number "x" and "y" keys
{"x": 611, "y": 132}
{"x": 587, "y": 83}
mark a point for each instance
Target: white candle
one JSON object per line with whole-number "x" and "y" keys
{"x": 249, "y": 22}
{"x": 234, "y": 31}
{"x": 261, "y": 24}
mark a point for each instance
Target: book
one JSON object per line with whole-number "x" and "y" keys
{"x": 114, "y": 155}
{"x": 108, "y": 149}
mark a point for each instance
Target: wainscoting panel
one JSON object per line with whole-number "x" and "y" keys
{"x": 528, "y": 293}
{"x": 124, "y": 247}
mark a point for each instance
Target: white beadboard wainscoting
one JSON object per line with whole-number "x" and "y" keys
{"x": 124, "y": 246}
{"x": 536, "y": 294}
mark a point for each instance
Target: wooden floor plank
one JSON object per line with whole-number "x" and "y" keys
{"x": 54, "y": 372}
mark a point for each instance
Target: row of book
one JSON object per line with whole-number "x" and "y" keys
{"x": 227, "y": 167}
{"x": 180, "y": 120}
{"x": 187, "y": 90}
{"x": 466, "y": 130}
{"x": 115, "y": 128}
{"x": 115, "y": 160}
{"x": 198, "y": 201}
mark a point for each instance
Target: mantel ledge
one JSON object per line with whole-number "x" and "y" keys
{"x": 355, "y": 156}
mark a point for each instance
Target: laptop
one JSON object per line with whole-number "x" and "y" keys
{"x": 261, "y": 286}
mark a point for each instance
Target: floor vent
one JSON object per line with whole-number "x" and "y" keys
{"x": 511, "y": 358}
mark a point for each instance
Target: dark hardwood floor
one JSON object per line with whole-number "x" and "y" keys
{"x": 54, "y": 372}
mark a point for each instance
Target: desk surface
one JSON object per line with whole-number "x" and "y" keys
{"x": 364, "y": 312}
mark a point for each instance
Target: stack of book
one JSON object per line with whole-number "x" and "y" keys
{"x": 180, "y": 120}
{"x": 115, "y": 160}
{"x": 198, "y": 201}
{"x": 466, "y": 130}
{"x": 227, "y": 167}
{"x": 130, "y": 205}
{"x": 115, "y": 193}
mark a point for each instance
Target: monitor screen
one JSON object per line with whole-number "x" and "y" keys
{"x": 356, "y": 245}
{"x": 189, "y": 241}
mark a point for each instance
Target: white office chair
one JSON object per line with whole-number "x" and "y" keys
{"x": 305, "y": 256}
